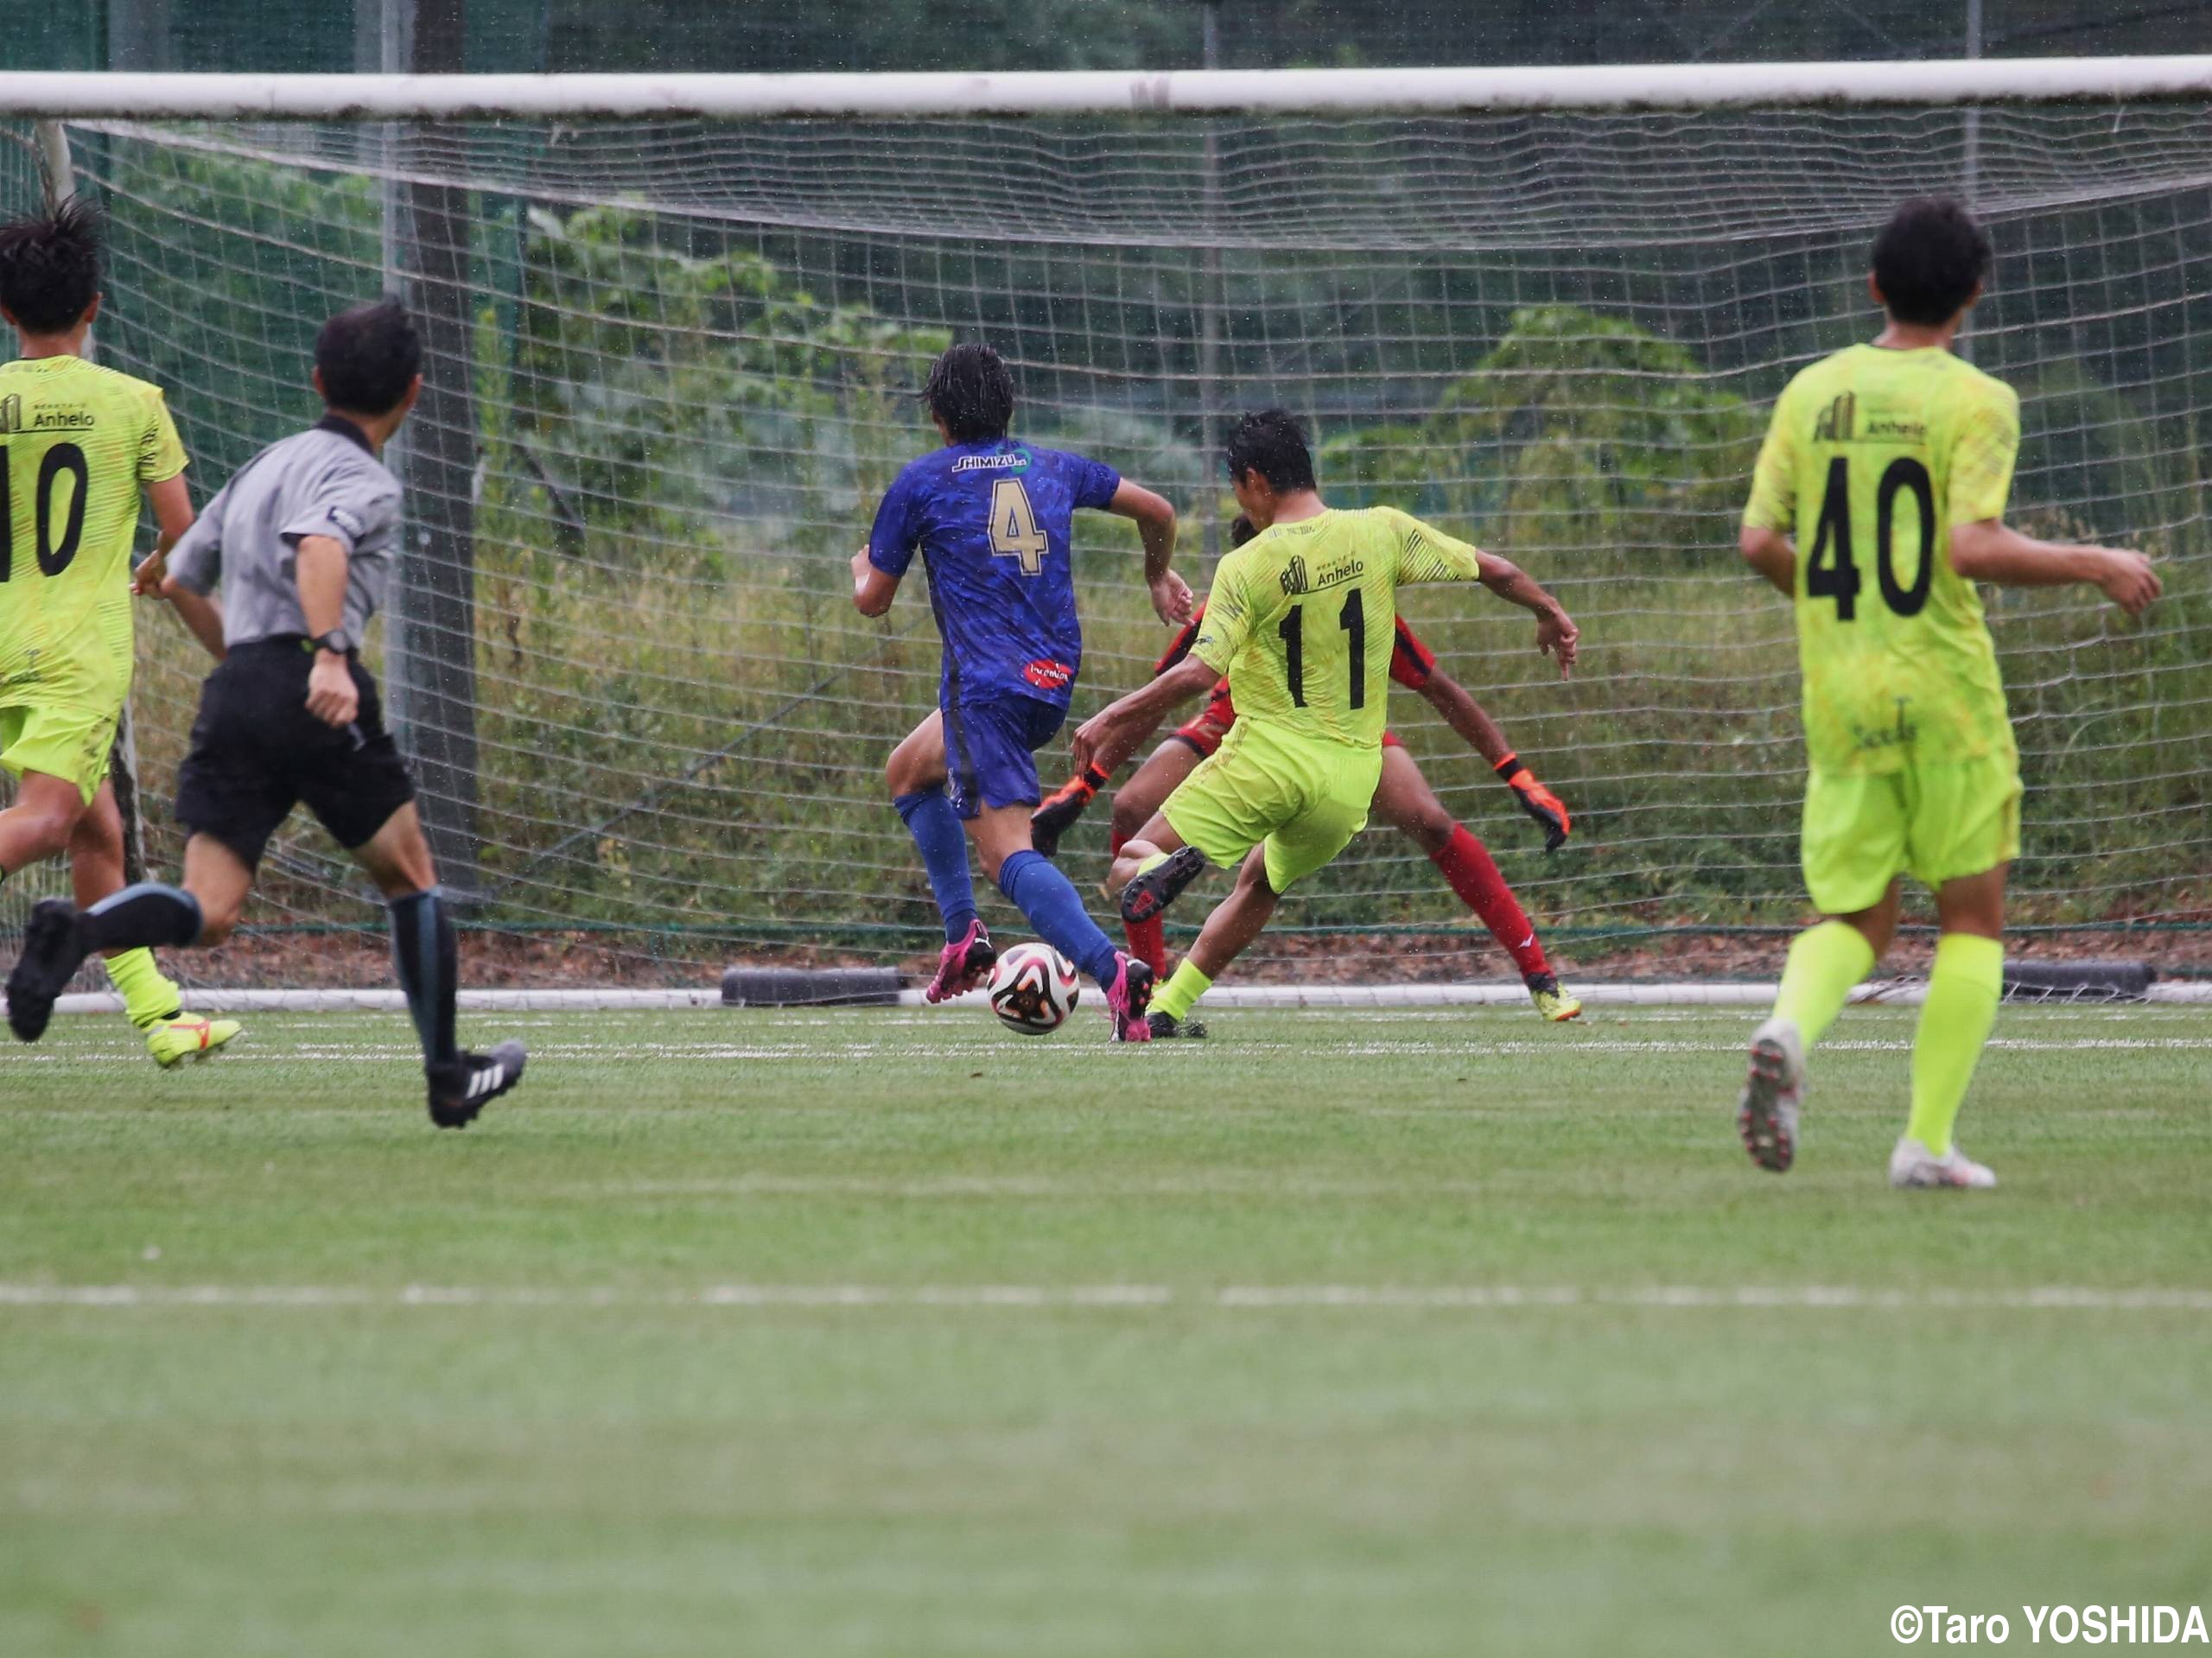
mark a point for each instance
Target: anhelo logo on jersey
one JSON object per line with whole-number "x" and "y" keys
{"x": 1838, "y": 424}
{"x": 1293, "y": 574}
{"x": 46, "y": 420}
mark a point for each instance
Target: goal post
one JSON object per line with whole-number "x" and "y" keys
{"x": 58, "y": 181}
{"x": 1548, "y": 307}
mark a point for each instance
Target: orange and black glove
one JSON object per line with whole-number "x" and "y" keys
{"x": 1537, "y": 801}
{"x": 1056, "y": 813}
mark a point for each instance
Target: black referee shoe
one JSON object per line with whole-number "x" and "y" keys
{"x": 53, "y": 949}
{"x": 461, "y": 1089}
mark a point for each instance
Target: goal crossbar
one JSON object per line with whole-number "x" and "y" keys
{"x": 96, "y": 95}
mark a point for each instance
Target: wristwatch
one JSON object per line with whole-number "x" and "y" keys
{"x": 338, "y": 642}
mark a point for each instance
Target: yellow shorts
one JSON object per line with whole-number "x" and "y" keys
{"x": 67, "y": 740}
{"x": 1300, "y": 799}
{"x": 1937, "y": 822}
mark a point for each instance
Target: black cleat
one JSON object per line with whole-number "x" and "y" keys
{"x": 1165, "y": 1027}
{"x": 461, "y": 1089}
{"x": 53, "y": 949}
{"x": 1056, "y": 814}
{"x": 1150, "y": 893}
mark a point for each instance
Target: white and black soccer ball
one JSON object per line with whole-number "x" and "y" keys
{"x": 1034, "y": 989}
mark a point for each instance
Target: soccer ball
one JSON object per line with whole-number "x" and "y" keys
{"x": 1032, "y": 989}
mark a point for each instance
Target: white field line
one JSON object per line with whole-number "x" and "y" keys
{"x": 244, "y": 1053}
{"x": 1512, "y": 994}
{"x": 392, "y": 1001}
{"x": 1234, "y": 1298}
{"x": 1502, "y": 994}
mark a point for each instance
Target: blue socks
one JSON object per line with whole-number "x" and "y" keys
{"x": 148, "y": 913}
{"x": 1048, "y": 898}
{"x": 1029, "y": 880}
{"x": 935, "y": 829}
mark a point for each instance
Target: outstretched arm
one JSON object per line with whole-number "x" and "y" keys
{"x": 1155, "y": 521}
{"x": 1989, "y": 550}
{"x": 1464, "y": 715}
{"x": 1556, "y": 634}
{"x": 1104, "y": 740}
{"x": 1468, "y": 717}
{"x": 1088, "y": 780}
{"x": 1427, "y": 554}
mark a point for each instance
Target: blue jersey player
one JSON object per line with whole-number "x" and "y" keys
{"x": 993, "y": 518}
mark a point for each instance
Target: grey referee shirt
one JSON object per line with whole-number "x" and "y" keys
{"x": 325, "y": 482}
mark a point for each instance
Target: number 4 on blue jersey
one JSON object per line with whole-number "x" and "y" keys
{"x": 1014, "y": 533}
{"x": 994, "y": 522}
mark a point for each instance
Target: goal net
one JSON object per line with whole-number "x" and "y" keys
{"x": 673, "y": 367}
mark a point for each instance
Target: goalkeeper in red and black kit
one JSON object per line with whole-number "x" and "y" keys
{"x": 1402, "y": 799}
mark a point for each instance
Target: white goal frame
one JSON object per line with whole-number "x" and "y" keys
{"x": 1963, "y": 81}
{"x": 49, "y": 98}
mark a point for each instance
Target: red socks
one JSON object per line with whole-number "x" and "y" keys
{"x": 1147, "y": 939}
{"x": 1148, "y": 942}
{"x": 1467, "y": 863}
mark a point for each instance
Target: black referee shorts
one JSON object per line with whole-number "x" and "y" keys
{"x": 256, "y": 752}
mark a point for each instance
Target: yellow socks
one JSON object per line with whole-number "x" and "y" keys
{"x": 1963, "y": 990}
{"x": 1825, "y": 963}
{"x": 1185, "y": 986}
{"x": 147, "y": 997}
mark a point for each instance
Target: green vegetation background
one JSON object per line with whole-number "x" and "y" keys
{"x": 682, "y": 424}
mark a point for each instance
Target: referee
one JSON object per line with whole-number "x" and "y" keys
{"x": 303, "y": 541}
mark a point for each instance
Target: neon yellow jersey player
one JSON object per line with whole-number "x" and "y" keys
{"x": 78, "y": 444}
{"x": 1302, "y": 618}
{"x": 1878, "y": 504}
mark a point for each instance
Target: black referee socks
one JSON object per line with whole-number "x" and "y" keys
{"x": 429, "y": 961}
{"x": 148, "y": 913}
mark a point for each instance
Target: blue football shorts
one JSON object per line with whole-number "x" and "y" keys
{"x": 990, "y": 748}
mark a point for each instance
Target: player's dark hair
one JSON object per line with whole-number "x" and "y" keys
{"x": 1240, "y": 530}
{"x": 971, "y": 389}
{"x": 369, "y": 356}
{"x": 1273, "y": 444}
{"x": 1928, "y": 259}
{"x": 50, "y": 267}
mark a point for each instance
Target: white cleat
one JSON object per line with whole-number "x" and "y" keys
{"x": 1912, "y": 1166}
{"x": 1774, "y": 1093}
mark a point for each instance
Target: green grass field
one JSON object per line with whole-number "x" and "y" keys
{"x": 884, "y": 1333}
